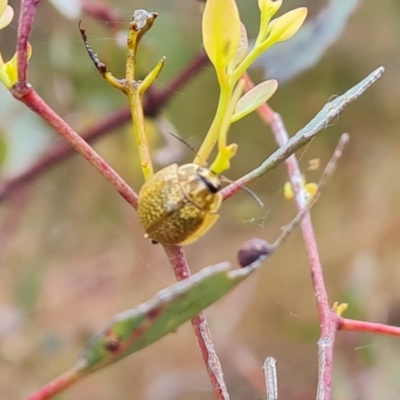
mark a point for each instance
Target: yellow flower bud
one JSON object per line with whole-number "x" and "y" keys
{"x": 9, "y": 70}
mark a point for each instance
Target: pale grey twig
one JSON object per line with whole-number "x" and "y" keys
{"x": 328, "y": 172}
{"x": 330, "y": 111}
{"x": 271, "y": 378}
{"x": 325, "y": 350}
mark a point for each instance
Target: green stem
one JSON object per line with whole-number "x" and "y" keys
{"x": 151, "y": 77}
{"x": 249, "y": 59}
{"x": 134, "y": 92}
{"x": 215, "y": 128}
{"x": 227, "y": 85}
{"x": 131, "y": 54}
{"x": 139, "y": 130}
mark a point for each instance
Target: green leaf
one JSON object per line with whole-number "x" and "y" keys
{"x": 3, "y": 5}
{"x": 268, "y": 9}
{"x": 135, "y": 329}
{"x": 243, "y": 47}
{"x": 300, "y": 53}
{"x": 6, "y": 14}
{"x": 254, "y": 98}
{"x": 284, "y": 27}
{"x": 221, "y": 32}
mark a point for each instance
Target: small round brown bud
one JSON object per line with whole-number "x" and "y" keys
{"x": 254, "y": 250}
{"x": 112, "y": 343}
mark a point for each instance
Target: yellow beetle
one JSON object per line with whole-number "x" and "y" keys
{"x": 179, "y": 204}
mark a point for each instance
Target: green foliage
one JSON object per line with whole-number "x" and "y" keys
{"x": 310, "y": 44}
{"x": 225, "y": 41}
{"x": 221, "y": 34}
{"x": 134, "y": 329}
{"x": 254, "y": 98}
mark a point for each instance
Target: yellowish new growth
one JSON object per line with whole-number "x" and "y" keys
{"x": 141, "y": 23}
{"x": 225, "y": 41}
{"x": 339, "y": 308}
{"x": 8, "y": 70}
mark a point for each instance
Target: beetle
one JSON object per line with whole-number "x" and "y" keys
{"x": 179, "y": 204}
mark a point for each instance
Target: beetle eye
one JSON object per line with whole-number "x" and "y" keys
{"x": 209, "y": 179}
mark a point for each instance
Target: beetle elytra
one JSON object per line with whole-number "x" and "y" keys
{"x": 179, "y": 204}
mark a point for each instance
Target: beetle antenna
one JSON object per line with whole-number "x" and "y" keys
{"x": 223, "y": 178}
{"x": 253, "y": 195}
{"x": 247, "y": 190}
{"x": 182, "y": 140}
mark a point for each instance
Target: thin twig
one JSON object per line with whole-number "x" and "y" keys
{"x": 330, "y": 321}
{"x": 346, "y": 324}
{"x": 271, "y": 378}
{"x": 181, "y": 269}
{"x": 330, "y": 111}
{"x": 328, "y": 328}
{"x": 153, "y": 103}
{"x": 56, "y": 386}
{"x": 25, "y": 23}
{"x": 325, "y": 356}
{"x": 326, "y": 175}
{"x": 37, "y": 105}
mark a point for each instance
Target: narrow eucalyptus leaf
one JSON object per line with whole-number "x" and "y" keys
{"x": 135, "y": 329}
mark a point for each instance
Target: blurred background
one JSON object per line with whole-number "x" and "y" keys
{"x": 72, "y": 251}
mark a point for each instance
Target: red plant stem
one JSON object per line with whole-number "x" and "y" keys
{"x": 37, "y": 105}
{"x": 26, "y": 17}
{"x": 153, "y": 103}
{"x": 328, "y": 323}
{"x": 56, "y": 386}
{"x": 58, "y": 153}
{"x": 181, "y": 269}
{"x": 345, "y": 324}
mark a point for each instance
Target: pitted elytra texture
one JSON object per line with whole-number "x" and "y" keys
{"x": 179, "y": 204}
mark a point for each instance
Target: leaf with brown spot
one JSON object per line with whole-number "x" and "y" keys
{"x": 135, "y": 329}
